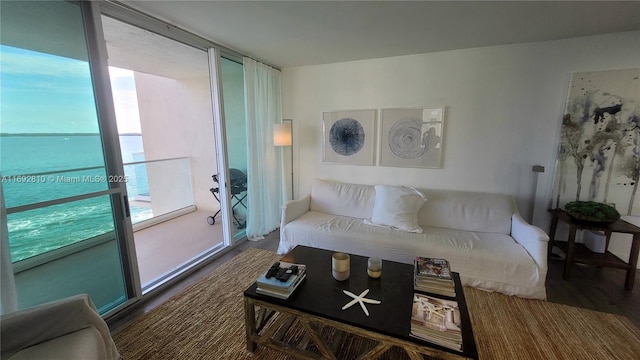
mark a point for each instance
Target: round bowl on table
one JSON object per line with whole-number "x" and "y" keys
{"x": 591, "y": 212}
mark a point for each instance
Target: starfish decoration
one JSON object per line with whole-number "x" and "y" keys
{"x": 359, "y": 299}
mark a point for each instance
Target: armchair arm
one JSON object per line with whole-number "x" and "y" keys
{"x": 532, "y": 238}
{"x": 40, "y": 323}
{"x": 293, "y": 209}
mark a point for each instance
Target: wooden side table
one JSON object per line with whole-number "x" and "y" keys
{"x": 579, "y": 253}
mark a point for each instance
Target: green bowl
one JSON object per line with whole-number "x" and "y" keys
{"x": 592, "y": 212}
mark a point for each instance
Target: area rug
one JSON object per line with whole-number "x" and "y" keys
{"x": 206, "y": 321}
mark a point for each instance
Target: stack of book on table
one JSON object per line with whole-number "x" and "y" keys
{"x": 281, "y": 280}
{"x": 436, "y": 320}
{"x": 433, "y": 276}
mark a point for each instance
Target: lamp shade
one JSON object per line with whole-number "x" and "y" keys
{"x": 282, "y": 134}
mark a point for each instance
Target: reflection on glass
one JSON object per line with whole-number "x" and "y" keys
{"x": 236, "y": 130}
{"x": 51, "y": 149}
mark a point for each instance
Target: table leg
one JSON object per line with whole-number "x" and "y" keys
{"x": 633, "y": 262}
{"x": 571, "y": 244}
{"x": 607, "y": 240}
{"x": 250, "y": 323}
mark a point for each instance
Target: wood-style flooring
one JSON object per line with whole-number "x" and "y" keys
{"x": 596, "y": 289}
{"x": 589, "y": 287}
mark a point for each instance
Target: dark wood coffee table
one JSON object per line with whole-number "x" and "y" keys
{"x": 319, "y": 299}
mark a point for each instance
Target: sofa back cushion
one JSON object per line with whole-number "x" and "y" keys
{"x": 397, "y": 206}
{"x": 337, "y": 198}
{"x": 469, "y": 211}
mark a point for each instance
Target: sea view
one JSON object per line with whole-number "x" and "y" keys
{"x": 40, "y": 230}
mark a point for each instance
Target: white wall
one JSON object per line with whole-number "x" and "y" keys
{"x": 504, "y": 106}
{"x": 176, "y": 121}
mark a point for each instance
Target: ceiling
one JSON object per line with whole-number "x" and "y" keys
{"x": 298, "y": 33}
{"x": 132, "y": 48}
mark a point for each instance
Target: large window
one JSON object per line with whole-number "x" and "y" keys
{"x": 162, "y": 98}
{"x": 89, "y": 172}
{"x": 59, "y": 195}
{"x": 50, "y": 149}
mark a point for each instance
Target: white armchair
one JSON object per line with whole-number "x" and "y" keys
{"x": 70, "y": 328}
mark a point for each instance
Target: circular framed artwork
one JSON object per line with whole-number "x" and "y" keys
{"x": 348, "y": 137}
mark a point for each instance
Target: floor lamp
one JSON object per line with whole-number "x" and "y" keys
{"x": 537, "y": 169}
{"x": 283, "y": 136}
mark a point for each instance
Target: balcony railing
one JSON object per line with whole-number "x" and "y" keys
{"x": 41, "y": 231}
{"x": 157, "y": 188}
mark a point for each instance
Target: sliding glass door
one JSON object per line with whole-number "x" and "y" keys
{"x": 113, "y": 150}
{"x": 66, "y": 214}
{"x": 235, "y": 130}
{"x": 162, "y": 98}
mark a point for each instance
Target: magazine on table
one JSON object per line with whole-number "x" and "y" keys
{"x": 436, "y": 320}
{"x": 436, "y": 289}
{"x": 281, "y": 279}
{"x": 433, "y": 275}
{"x": 281, "y": 294}
{"x": 433, "y": 268}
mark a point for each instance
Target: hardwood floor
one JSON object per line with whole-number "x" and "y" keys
{"x": 596, "y": 289}
{"x": 589, "y": 287}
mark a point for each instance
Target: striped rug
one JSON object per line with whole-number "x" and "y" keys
{"x": 206, "y": 321}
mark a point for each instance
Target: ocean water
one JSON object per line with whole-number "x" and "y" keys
{"x": 36, "y": 231}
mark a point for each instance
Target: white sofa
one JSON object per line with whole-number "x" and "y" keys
{"x": 482, "y": 235}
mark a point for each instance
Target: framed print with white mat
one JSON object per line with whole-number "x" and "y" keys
{"x": 412, "y": 137}
{"x": 348, "y": 137}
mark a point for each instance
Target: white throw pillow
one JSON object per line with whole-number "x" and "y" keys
{"x": 397, "y": 206}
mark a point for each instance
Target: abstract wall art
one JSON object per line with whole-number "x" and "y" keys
{"x": 348, "y": 137}
{"x": 412, "y": 137}
{"x": 599, "y": 155}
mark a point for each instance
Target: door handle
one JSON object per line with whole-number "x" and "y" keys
{"x": 126, "y": 206}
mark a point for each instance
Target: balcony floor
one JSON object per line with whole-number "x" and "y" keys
{"x": 164, "y": 247}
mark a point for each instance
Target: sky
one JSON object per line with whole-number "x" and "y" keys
{"x": 43, "y": 93}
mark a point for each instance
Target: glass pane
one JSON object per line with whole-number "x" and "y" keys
{"x": 40, "y": 167}
{"x": 51, "y": 149}
{"x": 162, "y": 99}
{"x": 236, "y": 132}
{"x": 170, "y": 191}
{"x": 89, "y": 260}
{"x": 63, "y": 225}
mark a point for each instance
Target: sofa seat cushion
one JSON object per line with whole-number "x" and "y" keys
{"x": 82, "y": 345}
{"x": 484, "y": 260}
